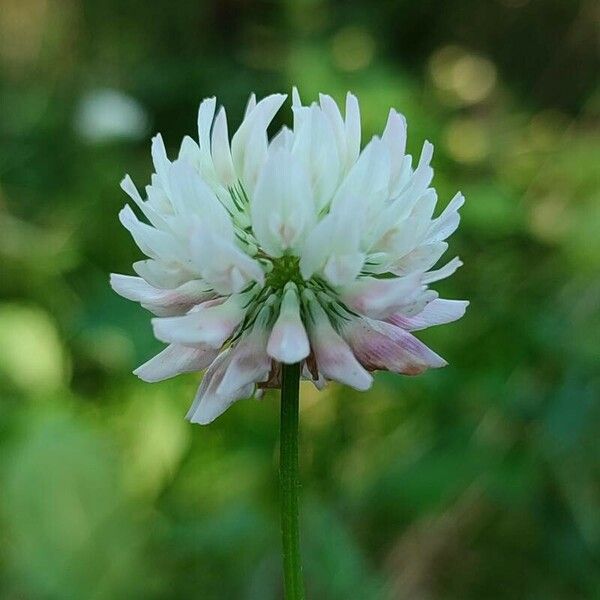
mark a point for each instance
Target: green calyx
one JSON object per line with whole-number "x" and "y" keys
{"x": 285, "y": 269}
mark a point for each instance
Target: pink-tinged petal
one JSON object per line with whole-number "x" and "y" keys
{"x": 162, "y": 302}
{"x": 249, "y": 362}
{"x": 208, "y": 324}
{"x": 380, "y": 345}
{"x": 333, "y": 356}
{"x": 288, "y": 342}
{"x": 437, "y": 312}
{"x": 208, "y": 403}
{"x": 378, "y": 298}
{"x": 173, "y": 360}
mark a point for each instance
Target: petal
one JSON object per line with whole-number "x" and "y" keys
{"x": 160, "y": 160}
{"x": 445, "y": 271}
{"x": 192, "y": 196}
{"x": 149, "y": 212}
{"x": 315, "y": 147}
{"x": 249, "y": 144}
{"x": 206, "y": 114}
{"x": 334, "y": 244}
{"x": 420, "y": 259}
{"x": 368, "y": 178}
{"x": 209, "y": 324}
{"x": 420, "y": 179}
{"x": 208, "y": 403}
{"x": 152, "y": 242}
{"x": 380, "y": 345}
{"x": 249, "y": 365}
{"x": 288, "y": 342}
{"x": 173, "y": 360}
{"x": 333, "y": 356}
{"x": 352, "y": 129}
{"x": 394, "y": 137}
{"x": 221, "y": 152}
{"x": 332, "y": 113}
{"x": 251, "y": 104}
{"x": 448, "y": 221}
{"x": 163, "y": 274}
{"x": 379, "y": 298}
{"x": 221, "y": 262}
{"x": 162, "y": 302}
{"x": 437, "y": 312}
{"x": 282, "y": 206}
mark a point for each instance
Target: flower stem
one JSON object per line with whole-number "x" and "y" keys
{"x": 289, "y": 484}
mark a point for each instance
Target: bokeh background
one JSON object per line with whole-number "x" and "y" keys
{"x": 478, "y": 481}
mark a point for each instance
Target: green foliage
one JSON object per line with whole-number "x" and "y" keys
{"x": 477, "y": 481}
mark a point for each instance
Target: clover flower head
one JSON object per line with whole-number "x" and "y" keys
{"x": 299, "y": 249}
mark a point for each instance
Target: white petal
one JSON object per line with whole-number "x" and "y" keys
{"x": 206, "y": 114}
{"x": 368, "y": 179}
{"x": 249, "y": 144}
{"x": 251, "y": 105}
{"x": 221, "y": 263}
{"x": 448, "y": 221}
{"x": 173, "y": 360}
{"x": 420, "y": 179}
{"x": 221, "y": 153}
{"x": 162, "y": 302}
{"x": 315, "y": 147}
{"x": 288, "y": 342}
{"x": 333, "y": 356}
{"x": 160, "y": 160}
{"x": 379, "y": 298}
{"x": 191, "y": 196}
{"x": 211, "y": 324}
{"x": 394, "y": 137}
{"x": 332, "y": 112}
{"x": 147, "y": 209}
{"x": 437, "y": 312}
{"x": 445, "y": 271}
{"x": 163, "y": 274}
{"x": 152, "y": 242}
{"x": 283, "y": 206}
{"x": 420, "y": 259}
{"x": 333, "y": 246}
{"x": 352, "y": 128}
{"x": 190, "y": 153}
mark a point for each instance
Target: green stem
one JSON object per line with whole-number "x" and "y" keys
{"x": 289, "y": 484}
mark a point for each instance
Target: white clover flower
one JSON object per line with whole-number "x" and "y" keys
{"x": 299, "y": 249}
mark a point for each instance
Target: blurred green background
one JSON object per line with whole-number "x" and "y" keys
{"x": 478, "y": 481}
